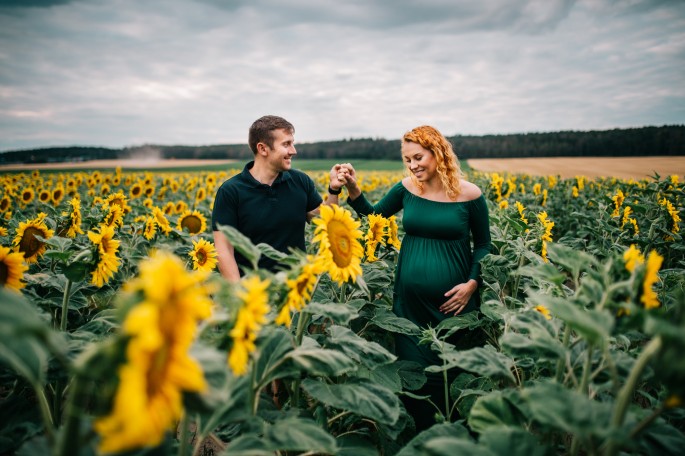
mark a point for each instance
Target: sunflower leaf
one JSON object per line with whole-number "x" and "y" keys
{"x": 242, "y": 244}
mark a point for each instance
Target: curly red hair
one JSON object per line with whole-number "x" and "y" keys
{"x": 448, "y": 167}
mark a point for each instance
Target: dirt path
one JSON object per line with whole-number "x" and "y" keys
{"x": 621, "y": 167}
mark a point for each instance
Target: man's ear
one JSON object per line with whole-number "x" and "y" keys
{"x": 262, "y": 149}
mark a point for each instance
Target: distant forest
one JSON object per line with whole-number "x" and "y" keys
{"x": 644, "y": 141}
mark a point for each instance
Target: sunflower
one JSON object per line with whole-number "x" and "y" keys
{"x": 150, "y": 228}
{"x": 25, "y": 240}
{"x": 107, "y": 261}
{"x": 375, "y": 235}
{"x": 114, "y": 216}
{"x": 249, "y": 321}
{"x": 12, "y": 268}
{"x": 161, "y": 220}
{"x": 649, "y": 298}
{"x": 119, "y": 199}
{"x": 105, "y": 189}
{"x": 300, "y": 289}
{"x": 338, "y": 236}
{"x": 543, "y": 310}
{"x": 5, "y": 203}
{"x": 147, "y": 202}
{"x": 193, "y": 221}
{"x": 74, "y": 218}
{"x": 44, "y": 195}
{"x": 27, "y": 195}
{"x": 57, "y": 195}
{"x": 136, "y": 190}
{"x": 200, "y": 194}
{"x": 158, "y": 370}
{"x": 632, "y": 258}
{"x": 169, "y": 208}
{"x": 181, "y": 206}
{"x": 3, "y": 231}
{"x": 203, "y": 255}
{"x": 149, "y": 190}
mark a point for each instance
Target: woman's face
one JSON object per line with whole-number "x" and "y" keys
{"x": 420, "y": 162}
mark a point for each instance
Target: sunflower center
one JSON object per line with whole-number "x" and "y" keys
{"x": 4, "y": 204}
{"x": 4, "y": 273}
{"x": 157, "y": 373}
{"x": 26, "y": 196}
{"x": 201, "y": 257}
{"x": 29, "y": 244}
{"x": 193, "y": 223}
{"x": 341, "y": 244}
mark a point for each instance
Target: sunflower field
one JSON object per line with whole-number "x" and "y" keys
{"x": 118, "y": 334}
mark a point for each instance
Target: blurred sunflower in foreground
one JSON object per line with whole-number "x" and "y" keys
{"x": 12, "y": 268}
{"x": 161, "y": 327}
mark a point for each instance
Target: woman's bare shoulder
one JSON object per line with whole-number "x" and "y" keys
{"x": 469, "y": 191}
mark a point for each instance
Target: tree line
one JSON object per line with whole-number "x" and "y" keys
{"x": 668, "y": 140}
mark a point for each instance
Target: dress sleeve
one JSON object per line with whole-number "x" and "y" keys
{"x": 389, "y": 205}
{"x": 479, "y": 223}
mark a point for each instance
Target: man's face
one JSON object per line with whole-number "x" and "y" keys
{"x": 280, "y": 156}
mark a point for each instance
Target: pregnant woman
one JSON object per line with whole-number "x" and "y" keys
{"x": 438, "y": 270}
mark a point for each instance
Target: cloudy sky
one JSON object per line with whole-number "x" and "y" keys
{"x": 129, "y": 72}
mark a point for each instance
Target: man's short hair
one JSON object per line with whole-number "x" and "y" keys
{"x": 260, "y": 131}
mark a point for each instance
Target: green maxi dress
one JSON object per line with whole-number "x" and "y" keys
{"x": 436, "y": 255}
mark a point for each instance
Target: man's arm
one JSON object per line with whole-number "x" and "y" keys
{"x": 226, "y": 256}
{"x": 337, "y": 182}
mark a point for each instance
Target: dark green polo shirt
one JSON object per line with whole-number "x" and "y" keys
{"x": 275, "y": 215}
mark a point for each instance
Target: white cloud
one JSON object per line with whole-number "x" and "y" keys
{"x": 118, "y": 73}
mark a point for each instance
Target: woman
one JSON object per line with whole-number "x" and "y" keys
{"x": 438, "y": 271}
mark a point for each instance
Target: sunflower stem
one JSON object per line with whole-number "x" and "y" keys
{"x": 69, "y": 441}
{"x": 65, "y": 306}
{"x": 626, "y": 393}
{"x": 48, "y": 421}
{"x": 184, "y": 430}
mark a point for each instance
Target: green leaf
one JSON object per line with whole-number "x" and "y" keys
{"x": 595, "y": 325}
{"x": 512, "y": 440}
{"x": 362, "y": 397}
{"x": 299, "y": 434}
{"x": 481, "y": 360}
{"x": 321, "y": 361}
{"x": 270, "y": 252}
{"x": 554, "y": 406}
{"x": 545, "y": 272}
{"x": 574, "y": 261}
{"x": 27, "y": 340}
{"x": 274, "y": 348}
{"x": 386, "y": 375}
{"x": 411, "y": 374}
{"x": 495, "y": 409}
{"x": 242, "y": 244}
{"x": 453, "y": 324}
{"x": 76, "y": 272}
{"x": 530, "y": 334}
{"x": 435, "y": 431}
{"x": 354, "y": 445}
{"x": 370, "y": 354}
{"x": 387, "y": 320}
{"x": 339, "y": 313}
{"x": 450, "y": 446}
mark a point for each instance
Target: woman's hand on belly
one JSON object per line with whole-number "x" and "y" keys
{"x": 458, "y": 297}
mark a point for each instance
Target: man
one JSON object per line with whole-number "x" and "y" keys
{"x": 268, "y": 201}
